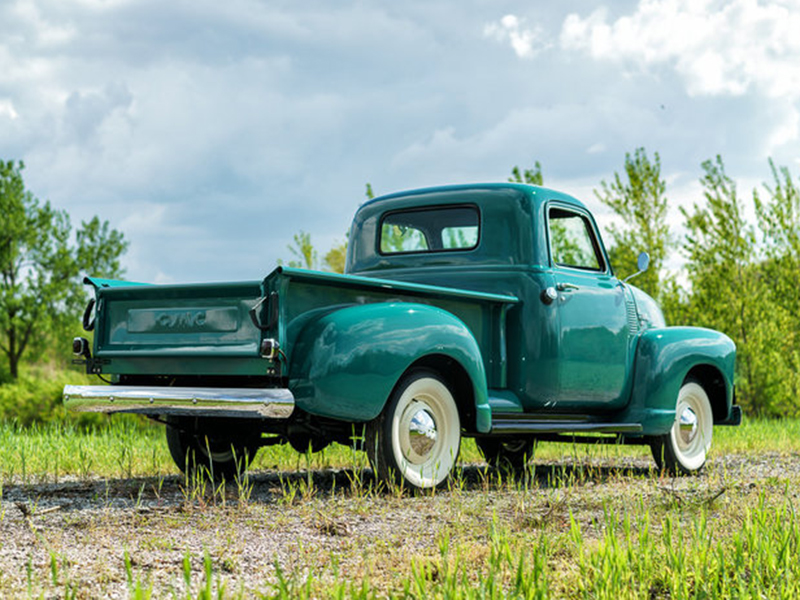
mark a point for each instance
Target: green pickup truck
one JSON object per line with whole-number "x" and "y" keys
{"x": 484, "y": 311}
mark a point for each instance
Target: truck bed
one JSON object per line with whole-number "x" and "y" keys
{"x": 208, "y": 330}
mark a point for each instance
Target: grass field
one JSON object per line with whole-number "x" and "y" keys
{"x": 132, "y": 447}
{"x": 585, "y": 522}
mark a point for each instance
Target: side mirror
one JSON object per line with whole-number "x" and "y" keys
{"x": 642, "y": 262}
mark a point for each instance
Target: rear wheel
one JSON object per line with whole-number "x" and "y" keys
{"x": 197, "y": 449}
{"x": 684, "y": 449}
{"x": 416, "y": 439}
{"x": 508, "y": 454}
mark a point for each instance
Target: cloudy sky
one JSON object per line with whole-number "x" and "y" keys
{"x": 210, "y": 132}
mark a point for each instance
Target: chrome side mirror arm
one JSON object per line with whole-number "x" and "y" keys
{"x": 642, "y": 262}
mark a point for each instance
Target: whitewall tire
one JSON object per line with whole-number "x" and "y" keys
{"x": 416, "y": 440}
{"x": 684, "y": 449}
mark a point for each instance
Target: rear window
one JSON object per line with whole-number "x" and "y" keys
{"x": 430, "y": 230}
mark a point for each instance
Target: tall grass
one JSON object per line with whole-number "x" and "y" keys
{"x": 125, "y": 446}
{"x": 48, "y": 452}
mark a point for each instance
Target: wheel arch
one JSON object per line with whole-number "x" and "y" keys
{"x": 664, "y": 359}
{"x": 457, "y": 380}
{"x": 348, "y": 362}
{"x": 711, "y": 379}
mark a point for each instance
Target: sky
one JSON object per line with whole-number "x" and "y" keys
{"x": 211, "y": 132}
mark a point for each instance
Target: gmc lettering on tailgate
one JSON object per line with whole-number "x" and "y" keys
{"x": 168, "y": 320}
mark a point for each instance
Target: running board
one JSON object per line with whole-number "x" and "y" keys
{"x": 516, "y": 423}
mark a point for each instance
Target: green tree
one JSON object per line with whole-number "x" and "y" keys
{"x": 335, "y": 258}
{"x": 530, "y": 176}
{"x": 304, "y": 252}
{"x": 40, "y": 264}
{"x": 639, "y": 198}
{"x": 779, "y": 220}
{"x": 307, "y": 257}
{"x": 730, "y": 293}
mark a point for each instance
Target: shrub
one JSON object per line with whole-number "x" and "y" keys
{"x": 35, "y": 397}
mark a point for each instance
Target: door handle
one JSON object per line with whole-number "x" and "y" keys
{"x": 566, "y": 287}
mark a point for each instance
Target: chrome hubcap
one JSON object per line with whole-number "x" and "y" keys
{"x": 422, "y": 433}
{"x": 688, "y": 425}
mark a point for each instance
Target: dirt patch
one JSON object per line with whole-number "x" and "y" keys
{"x": 100, "y": 537}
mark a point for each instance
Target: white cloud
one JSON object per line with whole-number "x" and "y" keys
{"x": 7, "y": 110}
{"x": 526, "y": 43}
{"x": 46, "y": 32}
{"x": 596, "y": 148}
{"x": 719, "y": 47}
{"x": 212, "y": 133}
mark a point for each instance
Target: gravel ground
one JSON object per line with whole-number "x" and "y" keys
{"x": 77, "y": 534}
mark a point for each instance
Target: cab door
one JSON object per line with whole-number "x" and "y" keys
{"x": 594, "y": 349}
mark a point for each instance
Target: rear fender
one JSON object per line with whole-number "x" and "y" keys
{"x": 664, "y": 358}
{"x": 345, "y": 364}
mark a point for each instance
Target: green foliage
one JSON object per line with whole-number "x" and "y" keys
{"x": 779, "y": 220}
{"x": 35, "y": 397}
{"x": 639, "y": 199}
{"x": 335, "y": 258}
{"x": 304, "y": 252}
{"x": 694, "y": 559}
{"x": 530, "y": 176}
{"x": 40, "y": 263}
{"x": 729, "y": 292}
{"x": 743, "y": 279}
{"x": 307, "y": 257}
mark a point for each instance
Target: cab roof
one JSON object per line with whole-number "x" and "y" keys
{"x": 535, "y": 192}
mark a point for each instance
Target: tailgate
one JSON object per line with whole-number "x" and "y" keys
{"x": 178, "y": 329}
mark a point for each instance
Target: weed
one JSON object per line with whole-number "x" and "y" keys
{"x": 288, "y": 490}
{"x": 244, "y": 488}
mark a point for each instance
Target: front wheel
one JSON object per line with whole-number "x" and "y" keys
{"x": 683, "y": 450}
{"x": 416, "y": 439}
{"x": 217, "y": 457}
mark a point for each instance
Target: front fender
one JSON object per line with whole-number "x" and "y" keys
{"x": 664, "y": 357}
{"x": 345, "y": 363}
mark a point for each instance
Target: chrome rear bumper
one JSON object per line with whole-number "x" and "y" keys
{"x": 270, "y": 403}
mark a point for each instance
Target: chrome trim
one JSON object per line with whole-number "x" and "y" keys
{"x": 687, "y": 425}
{"x": 272, "y": 403}
{"x": 422, "y": 432}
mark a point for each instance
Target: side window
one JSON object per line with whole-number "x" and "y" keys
{"x": 430, "y": 230}
{"x": 572, "y": 241}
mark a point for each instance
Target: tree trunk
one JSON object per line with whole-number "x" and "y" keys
{"x": 11, "y": 352}
{"x": 13, "y": 367}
